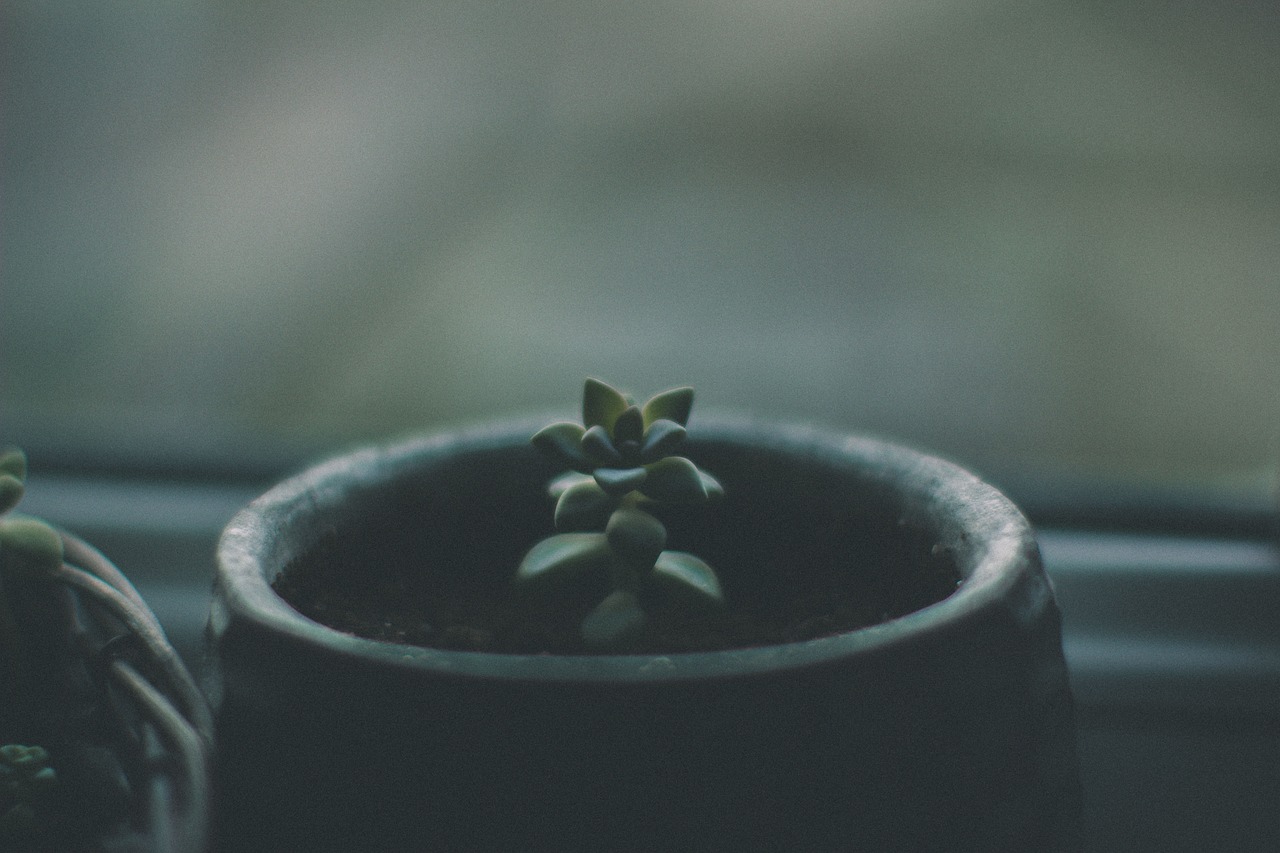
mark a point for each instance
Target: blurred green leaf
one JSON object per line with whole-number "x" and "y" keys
{"x": 564, "y": 482}
{"x": 583, "y": 506}
{"x": 601, "y": 404}
{"x": 11, "y": 490}
{"x": 13, "y": 462}
{"x": 563, "y": 442}
{"x": 29, "y": 545}
{"x": 629, "y": 426}
{"x": 565, "y": 554}
{"x": 662, "y": 437}
{"x": 674, "y": 479}
{"x": 599, "y": 447}
{"x": 715, "y": 491}
{"x": 44, "y": 779}
{"x": 619, "y": 481}
{"x": 613, "y": 619}
{"x": 680, "y": 573}
{"x": 27, "y": 759}
{"x": 636, "y": 536}
{"x": 673, "y": 405}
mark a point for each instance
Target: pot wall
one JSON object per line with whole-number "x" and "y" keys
{"x": 947, "y": 729}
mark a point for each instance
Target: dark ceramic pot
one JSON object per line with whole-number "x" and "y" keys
{"x": 948, "y": 728}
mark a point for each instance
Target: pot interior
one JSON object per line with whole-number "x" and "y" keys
{"x": 809, "y": 540}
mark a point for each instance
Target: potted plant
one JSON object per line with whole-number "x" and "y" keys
{"x": 874, "y": 662}
{"x": 105, "y": 733}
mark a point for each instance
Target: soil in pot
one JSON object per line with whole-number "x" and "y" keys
{"x": 796, "y": 563}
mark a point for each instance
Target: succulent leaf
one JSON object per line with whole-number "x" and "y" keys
{"x": 582, "y": 506}
{"x": 43, "y": 779}
{"x": 11, "y": 490}
{"x": 13, "y": 462}
{"x": 662, "y": 437}
{"x": 613, "y": 619}
{"x": 630, "y": 451}
{"x": 619, "y": 481}
{"x": 564, "y": 482}
{"x": 629, "y": 426}
{"x": 563, "y": 442}
{"x": 682, "y": 573}
{"x": 30, "y": 759}
{"x": 601, "y": 404}
{"x": 674, "y": 479}
{"x": 636, "y": 537}
{"x": 564, "y": 554}
{"x": 598, "y": 446}
{"x": 715, "y": 491}
{"x": 673, "y": 405}
{"x": 30, "y": 545}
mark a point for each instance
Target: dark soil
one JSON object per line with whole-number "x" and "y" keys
{"x": 448, "y": 585}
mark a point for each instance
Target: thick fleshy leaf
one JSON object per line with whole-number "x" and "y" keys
{"x": 601, "y": 404}
{"x": 630, "y": 451}
{"x": 636, "y": 537}
{"x": 715, "y": 491}
{"x": 29, "y": 545}
{"x": 597, "y": 445}
{"x": 680, "y": 574}
{"x": 673, "y": 405}
{"x": 11, "y": 490}
{"x": 13, "y": 462}
{"x": 564, "y": 482}
{"x": 662, "y": 437}
{"x": 28, "y": 759}
{"x": 629, "y": 426}
{"x": 613, "y": 619}
{"x": 563, "y": 555}
{"x": 619, "y": 481}
{"x": 563, "y": 442}
{"x": 674, "y": 479}
{"x": 583, "y": 506}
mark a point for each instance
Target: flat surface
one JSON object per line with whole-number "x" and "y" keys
{"x": 1175, "y": 662}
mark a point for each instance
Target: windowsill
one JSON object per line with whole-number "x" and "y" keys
{"x": 1168, "y": 624}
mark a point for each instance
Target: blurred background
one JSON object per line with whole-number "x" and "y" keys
{"x": 1034, "y": 236}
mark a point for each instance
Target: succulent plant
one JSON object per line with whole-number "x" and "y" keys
{"x": 25, "y": 777}
{"x": 622, "y": 467}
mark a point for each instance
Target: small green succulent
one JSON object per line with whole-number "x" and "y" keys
{"x": 25, "y": 778}
{"x": 623, "y": 467}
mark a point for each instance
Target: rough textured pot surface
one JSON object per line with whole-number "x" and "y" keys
{"x": 949, "y": 728}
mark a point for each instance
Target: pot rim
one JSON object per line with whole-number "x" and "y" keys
{"x": 1000, "y": 553}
